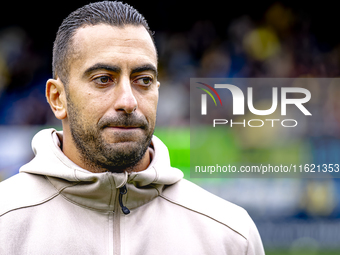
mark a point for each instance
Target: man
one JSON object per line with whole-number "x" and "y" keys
{"x": 105, "y": 185}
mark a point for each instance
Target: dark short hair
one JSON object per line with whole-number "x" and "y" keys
{"x": 106, "y": 12}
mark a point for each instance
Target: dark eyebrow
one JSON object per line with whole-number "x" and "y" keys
{"x": 100, "y": 66}
{"x": 146, "y": 67}
{"x": 116, "y": 69}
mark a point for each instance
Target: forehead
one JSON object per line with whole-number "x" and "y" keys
{"x": 105, "y": 43}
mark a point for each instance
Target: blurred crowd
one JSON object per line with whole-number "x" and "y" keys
{"x": 281, "y": 44}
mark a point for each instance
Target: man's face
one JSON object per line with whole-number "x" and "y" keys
{"x": 112, "y": 95}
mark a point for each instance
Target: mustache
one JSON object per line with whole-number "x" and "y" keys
{"x": 124, "y": 120}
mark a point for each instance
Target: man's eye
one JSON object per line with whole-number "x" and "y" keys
{"x": 144, "y": 81}
{"x": 103, "y": 80}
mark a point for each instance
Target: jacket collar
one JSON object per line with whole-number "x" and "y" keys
{"x": 98, "y": 191}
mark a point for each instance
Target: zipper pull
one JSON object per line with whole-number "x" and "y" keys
{"x": 122, "y": 191}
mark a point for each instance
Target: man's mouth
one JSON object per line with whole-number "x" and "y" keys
{"x": 124, "y": 123}
{"x": 124, "y": 127}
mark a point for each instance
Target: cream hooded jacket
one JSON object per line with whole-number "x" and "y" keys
{"x": 55, "y": 207}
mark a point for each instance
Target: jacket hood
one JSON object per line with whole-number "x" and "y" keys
{"x": 99, "y": 190}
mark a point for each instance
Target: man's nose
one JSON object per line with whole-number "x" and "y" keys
{"x": 125, "y": 99}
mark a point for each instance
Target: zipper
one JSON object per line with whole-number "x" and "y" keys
{"x": 116, "y": 219}
{"x": 116, "y": 227}
{"x": 123, "y": 191}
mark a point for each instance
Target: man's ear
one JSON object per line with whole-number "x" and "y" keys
{"x": 56, "y": 97}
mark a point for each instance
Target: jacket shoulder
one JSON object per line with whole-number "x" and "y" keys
{"x": 187, "y": 194}
{"x": 24, "y": 190}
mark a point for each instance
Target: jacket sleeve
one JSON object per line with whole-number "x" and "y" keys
{"x": 255, "y": 246}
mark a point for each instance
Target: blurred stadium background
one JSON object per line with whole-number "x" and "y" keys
{"x": 204, "y": 39}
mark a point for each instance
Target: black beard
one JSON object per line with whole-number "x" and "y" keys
{"x": 100, "y": 155}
